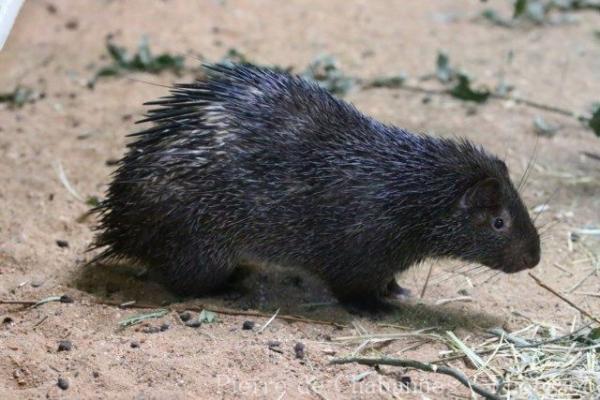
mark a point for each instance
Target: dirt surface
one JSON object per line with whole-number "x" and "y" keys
{"x": 55, "y": 48}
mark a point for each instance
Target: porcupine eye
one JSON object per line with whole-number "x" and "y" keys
{"x": 498, "y": 223}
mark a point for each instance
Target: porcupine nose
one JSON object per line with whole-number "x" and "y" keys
{"x": 531, "y": 258}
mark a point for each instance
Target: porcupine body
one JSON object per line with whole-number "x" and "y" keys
{"x": 253, "y": 165}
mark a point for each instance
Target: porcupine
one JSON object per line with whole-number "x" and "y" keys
{"x": 254, "y": 165}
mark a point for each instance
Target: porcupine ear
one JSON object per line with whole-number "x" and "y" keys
{"x": 484, "y": 194}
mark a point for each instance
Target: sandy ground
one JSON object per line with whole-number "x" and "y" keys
{"x": 55, "y": 48}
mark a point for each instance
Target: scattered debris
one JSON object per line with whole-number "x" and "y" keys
{"x": 134, "y": 344}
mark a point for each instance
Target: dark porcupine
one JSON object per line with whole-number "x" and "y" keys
{"x": 256, "y": 165}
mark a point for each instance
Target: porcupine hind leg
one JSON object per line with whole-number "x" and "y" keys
{"x": 196, "y": 270}
{"x": 363, "y": 291}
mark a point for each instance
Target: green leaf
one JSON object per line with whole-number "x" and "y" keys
{"x": 18, "y": 97}
{"x": 144, "y": 55}
{"x": 233, "y": 55}
{"x": 143, "y": 60}
{"x": 118, "y": 54}
{"x": 46, "y": 300}
{"x": 594, "y": 122}
{"x": 594, "y": 334}
{"x": 92, "y": 201}
{"x": 462, "y": 90}
{"x": 519, "y": 8}
{"x": 136, "y": 319}
{"x": 492, "y": 16}
{"x": 544, "y": 128}
{"x": 443, "y": 71}
{"x": 325, "y": 71}
{"x": 395, "y": 81}
{"x": 207, "y": 317}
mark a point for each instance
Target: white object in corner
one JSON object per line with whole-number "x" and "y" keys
{"x": 8, "y": 13}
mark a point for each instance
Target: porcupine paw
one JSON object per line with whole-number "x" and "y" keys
{"x": 396, "y": 292}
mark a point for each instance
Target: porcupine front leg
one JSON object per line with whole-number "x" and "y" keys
{"x": 363, "y": 289}
{"x": 396, "y": 292}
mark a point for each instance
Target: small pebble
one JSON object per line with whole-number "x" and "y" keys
{"x": 248, "y": 325}
{"x": 193, "y": 323}
{"x": 164, "y": 327}
{"x": 65, "y": 298}
{"x": 134, "y": 344}
{"x": 405, "y": 380}
{"x": 62, "y": 243}
{"x": 274, "y": 345}
{"x": 299, "y": 350}
{"x": 151, "y": 329}
{"x": 37, "y": 282}
{"x": 65, "y": 345}
{"x": 72, "y": 24}
{"x": 463, "y": 292}
{"x": 185, "y": 316}
{"x": 63, "y": 383}
{"x": 7, "y": 320}
{"x": 95, "y": 374}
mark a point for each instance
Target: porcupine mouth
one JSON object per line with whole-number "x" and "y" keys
{"x": 518, "y": 266}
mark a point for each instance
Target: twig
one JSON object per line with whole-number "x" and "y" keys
{"x": 227, "y": 311}
{"x": 426, "y": 280}
{"x": 262, "y": 328}
{"x": 19, "y": 302}
{"x": 198, "y": 308}
{"x": 560, "y": 296}
{"x": 439, "y": 369}
{"x": 452, "y": 300}
{"x": 518, "y": 100}
{"x": 45, "y": 317}
{"x": 63, "y": 179}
